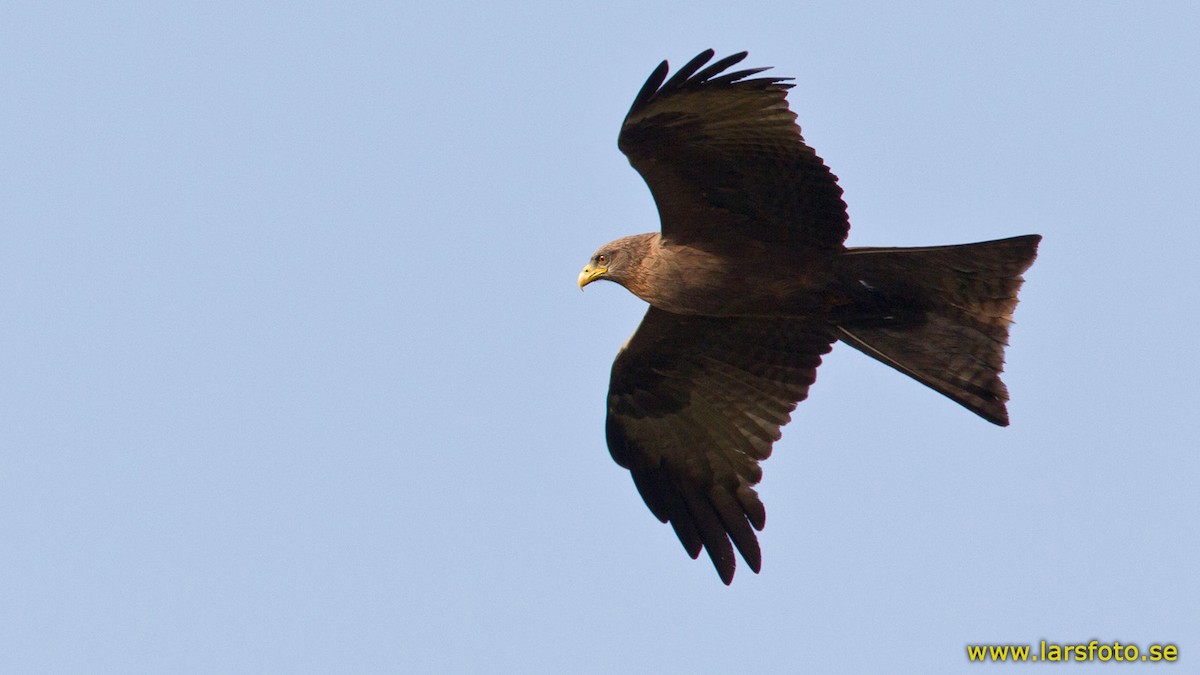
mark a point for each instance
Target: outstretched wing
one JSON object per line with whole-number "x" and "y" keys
{"x": 694, "y": 404}
{"x": 726, "y": 163}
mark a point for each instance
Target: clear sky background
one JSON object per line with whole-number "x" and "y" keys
{"x": 295, "y": 376}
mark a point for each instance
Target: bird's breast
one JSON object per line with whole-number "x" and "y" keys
{"x": 695, "y": 282}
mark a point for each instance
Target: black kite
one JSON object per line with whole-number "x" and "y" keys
{"x": 749, "y": 283}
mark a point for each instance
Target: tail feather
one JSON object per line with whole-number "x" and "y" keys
{"x": 953, "y": 307}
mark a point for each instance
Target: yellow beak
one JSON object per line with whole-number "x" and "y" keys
{"x": 590, "y": 274}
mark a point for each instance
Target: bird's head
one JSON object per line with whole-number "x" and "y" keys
{"x": 601, "y": 266}
{"x": 616, "y": 261}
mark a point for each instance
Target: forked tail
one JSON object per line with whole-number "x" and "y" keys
{"x": 945, "y": 314}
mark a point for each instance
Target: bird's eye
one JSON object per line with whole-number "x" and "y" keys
{"x": 602, "y": 259}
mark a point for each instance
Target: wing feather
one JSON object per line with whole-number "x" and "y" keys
{"x": 726, "y": 163}
{"x": 694, "y": 404}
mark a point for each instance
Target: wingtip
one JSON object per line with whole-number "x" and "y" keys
{"x": 726, "y": 575}
{"x": 698, "y": 70}
{"x": 727, "y": 568}
{"x": 725, "y": 563}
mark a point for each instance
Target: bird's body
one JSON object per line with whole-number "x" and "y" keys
{"x": 750, "y": 283}
{"x": 690, "y": 280}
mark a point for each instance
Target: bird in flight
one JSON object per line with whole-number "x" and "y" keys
{"x": 749, "y": 283}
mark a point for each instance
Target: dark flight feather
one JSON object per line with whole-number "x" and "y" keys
{"x": 725, "y": 160}
{"x": 691, "y": 411}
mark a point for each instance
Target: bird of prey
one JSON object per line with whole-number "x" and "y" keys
{"x": 749, "y": 283}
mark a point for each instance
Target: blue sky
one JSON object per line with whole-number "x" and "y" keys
{"x": 296, "y": 376}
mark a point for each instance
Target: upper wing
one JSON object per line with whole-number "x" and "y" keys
{"x": 724, "y": 158}
{"x": 693, "y": 405}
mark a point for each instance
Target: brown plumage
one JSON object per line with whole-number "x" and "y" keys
{"x": 749, "y": 284}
